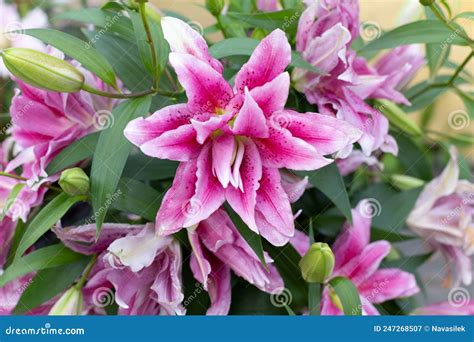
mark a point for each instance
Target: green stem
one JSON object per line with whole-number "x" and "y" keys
{"x": 92, "y": 90}
{"x": 87, "y": 272}
{"x": 456, "y": 31}
{"x": 142, "y": 10}
{"x": 23, "y": 179}
{"x": 460, "y": 68}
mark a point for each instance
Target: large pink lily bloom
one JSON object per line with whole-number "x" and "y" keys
{"x": 359, "y": 260}
{"x": 232, "y": 141}
{"x": 10, "y": 21}
{"x": 325, "y": 32}
{"x": 443, "y": 217}
{"x": 143, "y": 269}
{"x": 218, "y": 248}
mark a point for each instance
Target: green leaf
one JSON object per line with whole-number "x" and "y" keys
{"x": 45, "y": 219}
{"x": 141, "y": 40}
{"x": 245, "y": 47}
{"x": 78, "y": 49}
{"x": 11, "y": 199}
{"x": 47, "y": 257}
{"x": 111, "y": 155}
{"x": 408, "y": 263}
{"x": 142, "y": 167}
{"x": 329, "y": 181}
{"x": 348, "y": 295}
{"x": 468, "y": 100}
{"x": 286, "y": 260}
{"x": 74, "y": 153}
{"x": 423, "y": 31}
{"x": 253, "y": 239}
{"x": 162, "y": 48}
{"x": 413, "y": 158}
{"x": 129, "y": 70}
{"x": 48, "y": 283}
{"x": 138, "y": 198}
{"x": 464, "y": 15}
{"x": 286, "y": 20}
{"x": 112, "y": 22}
{"x": 395, "y": 210}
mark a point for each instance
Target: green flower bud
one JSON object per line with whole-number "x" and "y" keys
{"x": 215, "y": 6}
{"x": 405, "y": 183}
{"x": 70, "y": 303}
{"x": 42, "y": 70}
{"x": 335, "y": 299}
{"x": 318, "y": 263}
{"x": 427, "y": 2}
{"x": 398, "y": 117}
{"x": 74, "y": 181}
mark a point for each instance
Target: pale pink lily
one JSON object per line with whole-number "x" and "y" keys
{"x": 443, "y": 217}
{"x": 232, "y": 141}
{"x": 447, "y": 309}
{"x": 218, "y": 248}
{"x": 10, "y": 21}
{"x": 359, "y": 260}
{"x": 142, "y": 268}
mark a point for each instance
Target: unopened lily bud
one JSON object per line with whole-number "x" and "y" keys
{"x": 398, "y": 117}
{"x": 318, "y": 263}
{"x": 42, "y": 70}
{"x": 405, "y": 183}
{"x": 215, "y": 6}
{"x": 74, "y": 181}
{"x": 70, "y": 303}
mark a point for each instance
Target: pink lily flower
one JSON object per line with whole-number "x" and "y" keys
{"x": 268, "y": 5}
{"x": 142, "y": 268}
{"x": 10, "y": 21}
{"x": 218, "y": 248}
{"x": 232, "y": 141}
{"x": 443, "y": 217}
{"x": 447, "y": 309}
{"x": 325, "y": 32}
{"x": 359, "y": 260}
{"x": 64, "y": 118}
